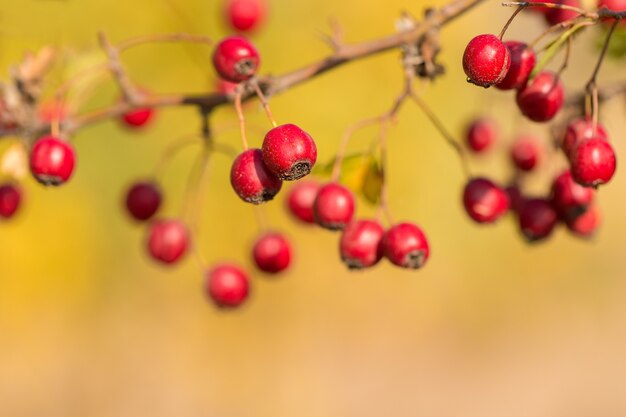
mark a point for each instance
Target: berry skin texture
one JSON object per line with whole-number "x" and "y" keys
{"x": 10, "y": 199}
{"x": 143, "y": 200}
{"x": 482, "y": 134}
{"x": 523, "y": 60}
{"x": 484, "y": 201}
{"x": 300, "y": 200}
{"x": 52, "y": 160}
{"x": 252, "y": 180}
{"x": 272, "y": 253}
{"x": 593, "y": 162}
{"x": 289, "y": 152}
{"x": 244, "y": 15}
{"x": 579, "y": 130}
{"x": 235, "y": 59}
{"x": 555, "y": 16}
{"x": 168, "y": 240}
{"x": 586, "y": 224}
{"x": 227, "y": 285}
{"x": 537, "y": 219}
{"x": 526, "y": 153}
{"x": 486, "y": 60}
{"x": 405, "y": 245}
{"x": 334, "y": 206}
{"x": 360, "y": 244}
{"x": 138, "y": 118}
{"x": 569, "y": 198}
{"x": 542, "y": 98}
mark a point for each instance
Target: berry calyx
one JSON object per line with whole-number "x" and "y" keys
{"x": 52, "y": 160}
{"x": 586, "y": 224}
{"x": 482, "y": 134}
{"x": 244, "y": 15}
{"x": 138, "y": 117}
{"x": 235, "y": 59}
{"x": 10, "y": 199}
{"x": 484, "y": 201}
{"x": 143, "y": 200}
{"x": 334, "y": 206}
{"x": 360, "y": 245}
{"x": 289, "y": 152}
{"x": 526, "y": 153}
{"x": 227, "y": 285}
{"x": 579, "y": 130}
{"x": 542, "y": 98}
{"x": 486, "y": 60}
{"x": 406, "y": 245}
{"x": 252, "y": 180}
{"x": 168, "y": 240}
{"x": 537, "y": 219}
{"x": 523, "y": 60}
{"x": 272, "y": 253}
{"x": 593, "y": 162}
{"x": 300, "y": 200}
{"x": 569, "y": 198}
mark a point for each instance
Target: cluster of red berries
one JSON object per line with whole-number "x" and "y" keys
{"x": 554, "y": 16}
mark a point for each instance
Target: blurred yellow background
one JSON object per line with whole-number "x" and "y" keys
{"x": 89, "y": 326}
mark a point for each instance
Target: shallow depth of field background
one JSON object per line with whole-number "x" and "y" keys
{"x": 89, "y": 326}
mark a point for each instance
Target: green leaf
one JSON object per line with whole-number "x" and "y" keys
{"x": 553, "y": 48}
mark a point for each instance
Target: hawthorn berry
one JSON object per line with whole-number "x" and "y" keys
{"x": 168, "y": 240}
{"x": 10, "y": 199}
{"x": 484, "y": 201}
{"x": 52, "y": 160}
{"x": 579, "y": 130}
{"x": 481, "y": 134}
{"x": 405, "y": 245}
{"x": 585, "y": 224}
{"x": 226, "y": 87}
{"x": 300, "y": 200}
{"x": 516, "y": 198}
{"x": 537, "y": 219}
{"x": 272, "y": 253}
{"x": 227, "y": 285}
{"x": 614, "y": 5}
{"x": 334, "y": 206}
{"x": 289, "y": 152}
{"x": 252, "y": 180}
{"x": 554, "y": 16}
{"x": 360, "y": 244}
{"x": 593, "y": 162}
{"x": 143, "y": 200}
{"x": 526, "y": 153}
{"x": 569, "y": 198}
{"x": 542, "y": 98}
{"x": 486, "y": 60}
{"x": 236, "y": 59}
{"x": 138, "y": 117}
{"x": 244, "y": 15}
{"x": 523, "y": 60}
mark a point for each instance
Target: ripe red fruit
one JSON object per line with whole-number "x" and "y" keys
{"x": 555, "y": 16}
{"x": 406, "y": 245}
{"x": 236, "y": 59}
{"x": 482, "y": 134}
{"x": 486, "y": 60}
{"x": 227, "y": 285}
{"x": 526, "y": 153}
{"x": 138, "y": 117}
{"x": 537, "y": 219}
{"x": 360, "y": 245}
{"x": 10, "y": 199}
{"x": 523, "y": 61}
{"x": 516, "y": 198}
{"x": 484, "y": 201}
{"x": 586, "y": 224}
{"x": 614, "y": 5}
{"x": 244, "y": 15}
{"x": 289, "y": 152}
{"x": 579, "y": 130}
{"x": 542, "y": 98}
{"x": 168, "y": 240}
{"x": 143, "y": 200}
{"x": 226, "y": 87}
{"x": 593, "y": 162}
{"x": 272, "y": 253}
{"x": 569, "y": 198}
{"x": 252, "y": 180}
{"x": 52, "y": 160}
{"x": 301, "y": 198}
{"x": 334, "y": 206}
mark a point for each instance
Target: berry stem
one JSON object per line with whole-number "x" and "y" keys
{"x": 561, "y": 6}
{"x": 240, "y": 116}
{"x": 508, "y": 23}
{"x": 264, "y": 102}
{"x": 384, "y": 189}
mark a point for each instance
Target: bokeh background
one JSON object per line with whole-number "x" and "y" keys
{"x": 89, "y": 326}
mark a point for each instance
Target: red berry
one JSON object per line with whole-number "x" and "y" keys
{"x": 542, "y": 98}
{"x": 569, "y": 198}
{"x": 227, "y": 285}
{"x": 289, "y": 152}
{"x": 252, "y": 180}
{"x": 554, "y": 16}
{"x": 143, "y": 200}
{"x": 484, "y": 201}
{"x": 579, "y": 130}
{"x": 526, "y": 153}
{"x": 334, "y": 206}
{"x": 523, "y": 61}
{"x": 244, "y": 15}
{"x": 138, "y": 117}
{"x": 236, "y": 59}
{"x": 360, "y": 245}
{"x": 614, "y": 5}
{"x": 52, "y": 160}
{"x": 301, "y": 198}
{"x": 406, "y": 245}
{"x": 586, "y": 224}
{"x": 272, "y": 253}
{"x": 593, "y": 162}
{"x": 168, "y": 240}
{"x": 482, "y": 134}
{"x": 537, "y": 219}
{"x": 486, "y": 60}
{"x": 226, "y": 87}
{"x": 10, "y": 199}
{"x": 516, "y": 198}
